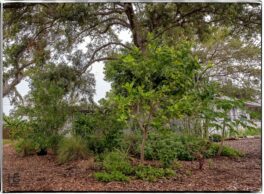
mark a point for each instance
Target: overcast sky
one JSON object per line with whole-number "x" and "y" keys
{"x": 101, "y": 86}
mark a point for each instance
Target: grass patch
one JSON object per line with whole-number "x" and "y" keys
{"x": 72, "y": 148}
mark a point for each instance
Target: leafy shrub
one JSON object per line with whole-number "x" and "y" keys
{"x": 113, "y": 176}
{"x": 212, "y": 151}
{"x": 149, "y": 173}
{"x": 25, "y": 147}
{"x": 101, "y": 130}
{"x": 18, "y": 128}
{"x": 167, "y": 146}
{"x": 161, "y": 146}
{"x": 227, "y": 151}
{"x": 117, "y": 161}
{"x": 116, "y": 165}
{"x": 37, "y": 141}
{"x": 72, "y": 148}
{"x": 215, "y": 138}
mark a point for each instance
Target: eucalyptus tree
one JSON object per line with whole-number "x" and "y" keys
{"x": 36, "y": 34}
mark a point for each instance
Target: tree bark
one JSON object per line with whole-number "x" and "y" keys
{"x": 137, "y": 32}
{"x": 222, "y": 140}
{"x": 142, "y": 151}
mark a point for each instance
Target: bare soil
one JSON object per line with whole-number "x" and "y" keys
{"x": 43, "y": 173}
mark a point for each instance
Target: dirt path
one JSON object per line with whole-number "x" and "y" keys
{"x": 35, "y": 173}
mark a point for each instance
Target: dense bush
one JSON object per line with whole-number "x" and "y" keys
{"x": 215, "y": 138}
{"x": 117, "y": 161}
{"x": 101, "y": 131}
{"x": 37, "y": 142}
{"x": 167, "y": 146}
{"x": 72, "y": 148}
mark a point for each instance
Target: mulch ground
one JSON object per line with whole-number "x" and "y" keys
{"x": 42, "y": 173}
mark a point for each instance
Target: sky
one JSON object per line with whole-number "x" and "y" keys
{"x": 101, "y": 86}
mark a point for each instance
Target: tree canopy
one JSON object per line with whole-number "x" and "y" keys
{"x": 35, "y": 34}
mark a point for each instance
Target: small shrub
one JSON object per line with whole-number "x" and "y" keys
{"x": 176, "y": 165}
{"x": 215, "y": 138}
{"x": 166, "y": 146}
{"x": 116, "y": 166}
{"x": 25, "y": 147}
{"x": 212, "y": 151}
{"x": 72, "y": 148}
{"x": 117, "y": 161}
{"x": 149, "y": 173}
{"x": 230, "y": 152}
{"x": 112, "y": 176}
{"x": 163, "y": 146}
{"x": 227, "y": 151}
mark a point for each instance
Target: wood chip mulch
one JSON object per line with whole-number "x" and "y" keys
{"x": 42, "y": 173}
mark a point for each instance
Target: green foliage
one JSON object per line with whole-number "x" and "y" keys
{"x": 233, "y": 91}
{"x": 227, "y": 151}
{"x": 117, "y": 161}
{"x": 99, "y": 128}
{"x": 215, "y": 138}
{"x": 53, "y": 142}
{"x": 251, "y": 131}
{"x": 18, "y": 127}
{"x": 112, "y": 176}
{"x": 149, "y": 173}
{"x": 167, "y": 146}
{"x": 130, "y": 141}
{"x": 25, "y": 147}
{"x": 150, "y": 88}
{"x": 36, "y": 140}
{"x": 47, "y": 109}
{"x": 72, "y": 148}
{"x": 116, "y": 166}
{"x": 176, "y": 165}
{"x": 231, "y": 152}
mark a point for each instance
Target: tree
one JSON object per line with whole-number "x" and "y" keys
{"x": 149, "y": 86}
{"x": 41, "y": 33}
{"x": 47, "y": 106}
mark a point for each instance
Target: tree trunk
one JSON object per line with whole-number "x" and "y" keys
{"x": 142, "y": 151}
{"x": 138, "y": 34}
{"x": 206, "y": 129}
{"x": 222, "y": 140}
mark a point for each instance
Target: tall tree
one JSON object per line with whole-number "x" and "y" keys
{"x": 39, "y": 33}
